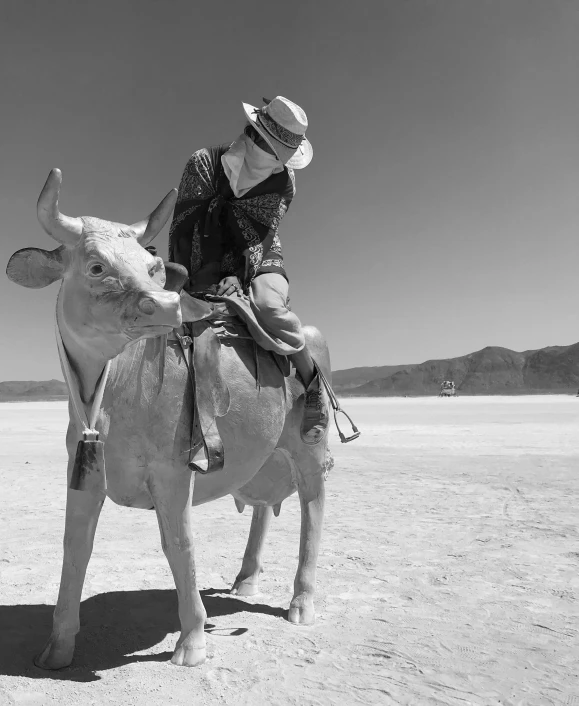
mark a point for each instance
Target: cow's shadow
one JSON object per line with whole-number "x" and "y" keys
{"x": 113, "y": 627}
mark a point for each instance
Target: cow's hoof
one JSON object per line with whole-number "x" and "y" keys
{"x": 247, "y": 581}
{"x": 186, "y": 656}
{"x": 56, "y": 655}
{"x": 247, "y": 587}
{"x": 301, "y": 611}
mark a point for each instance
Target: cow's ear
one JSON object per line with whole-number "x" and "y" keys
{"x": 36, "y": 268}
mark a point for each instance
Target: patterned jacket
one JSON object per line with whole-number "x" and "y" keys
{"x": 211, "y": 225}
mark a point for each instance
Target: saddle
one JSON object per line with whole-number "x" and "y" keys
{"x": 209, "y": 319}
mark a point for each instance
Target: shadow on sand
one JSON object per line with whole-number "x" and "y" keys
{"x": 113, "y": 626}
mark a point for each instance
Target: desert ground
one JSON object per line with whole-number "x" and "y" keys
{"x": 448, "y": 571}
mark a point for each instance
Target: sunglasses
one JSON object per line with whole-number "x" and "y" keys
{"x": 259, "y": 140}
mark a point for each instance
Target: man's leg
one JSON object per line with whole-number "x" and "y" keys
{"x": 305, "y": 366}
{"x": 269, "y": 299}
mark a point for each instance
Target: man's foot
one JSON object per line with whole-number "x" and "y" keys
{"x": 315, "y": 420}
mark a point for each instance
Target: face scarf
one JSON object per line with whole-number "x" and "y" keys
{"x": 246, "y": 165}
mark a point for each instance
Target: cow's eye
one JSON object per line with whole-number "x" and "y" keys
{"x": 96, "y": 270}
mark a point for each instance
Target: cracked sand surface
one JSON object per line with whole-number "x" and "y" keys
{"x": 448, "y": 571}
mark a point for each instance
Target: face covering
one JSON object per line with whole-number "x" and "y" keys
{"x": 246, "y": 165}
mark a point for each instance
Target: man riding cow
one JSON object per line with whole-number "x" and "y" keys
{"x": 231, "y": 200}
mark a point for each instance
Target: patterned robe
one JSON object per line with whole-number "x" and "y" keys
{"x": 211, "y": 225}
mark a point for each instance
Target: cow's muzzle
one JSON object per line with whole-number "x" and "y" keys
{"x": 156, "y": 313}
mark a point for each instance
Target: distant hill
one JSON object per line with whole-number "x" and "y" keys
{"x": 354, "y": 377}
{"x": 28, "y": 391}
{"x": 490, "y": 371}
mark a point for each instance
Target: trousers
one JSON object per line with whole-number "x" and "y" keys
{"x": 269, "y": 298}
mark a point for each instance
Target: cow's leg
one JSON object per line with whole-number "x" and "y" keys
{"x": 311, "y": 493}
{"x": 172, "y": 496}
{"x": 247, "y": 581}
{"x": 82, "y": 514}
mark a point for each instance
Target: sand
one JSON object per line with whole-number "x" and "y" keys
{"x": 448, "y": 571}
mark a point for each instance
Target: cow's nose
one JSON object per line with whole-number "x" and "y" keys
{"x": 147, "y": 306}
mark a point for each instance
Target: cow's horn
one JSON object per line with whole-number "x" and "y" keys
{"x": 64, "y": 229}
{"x": 148, "y": 229}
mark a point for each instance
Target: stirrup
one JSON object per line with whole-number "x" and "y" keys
{"x": 345, "y": 439}
{"x": 337, "y": 409}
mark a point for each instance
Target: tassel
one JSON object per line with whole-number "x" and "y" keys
{"x": 88, "y": 472}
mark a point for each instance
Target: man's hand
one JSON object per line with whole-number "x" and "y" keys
{"x": 229, "y": 286}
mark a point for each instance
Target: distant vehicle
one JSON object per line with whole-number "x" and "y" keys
{"x": 448, "y": 389}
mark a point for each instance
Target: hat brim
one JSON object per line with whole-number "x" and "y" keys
{"x": 295, "y": 159}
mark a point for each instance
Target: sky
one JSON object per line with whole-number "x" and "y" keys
{"x": 440, "y": 212}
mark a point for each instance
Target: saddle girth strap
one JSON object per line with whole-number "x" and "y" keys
{"x": 211, "y": 393}
{"x": 212, "y": 397}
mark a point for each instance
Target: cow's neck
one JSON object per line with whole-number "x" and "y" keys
{"x": 87, "y": 352}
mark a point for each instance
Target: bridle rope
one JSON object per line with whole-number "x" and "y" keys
{"x": 89, "y": 431}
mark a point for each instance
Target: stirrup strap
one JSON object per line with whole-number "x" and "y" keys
{"x": 337, "y": 409}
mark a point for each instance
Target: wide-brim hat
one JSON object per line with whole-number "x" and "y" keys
{"x": 283, "y": 125}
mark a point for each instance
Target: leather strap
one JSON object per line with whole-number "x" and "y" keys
{"x": 211, "y": 392}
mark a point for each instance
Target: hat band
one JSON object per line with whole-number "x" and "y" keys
{"x": 278, "y": 132}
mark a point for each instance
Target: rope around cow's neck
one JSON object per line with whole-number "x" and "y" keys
{"x": 89, "y": 431}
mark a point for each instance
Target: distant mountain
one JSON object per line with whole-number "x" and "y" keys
{"x": 28, "y": 390}
{"x": 490, "y": 371}
{"x": 354, "y": 377}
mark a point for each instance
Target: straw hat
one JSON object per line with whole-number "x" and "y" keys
{"x": 283, "y": 125}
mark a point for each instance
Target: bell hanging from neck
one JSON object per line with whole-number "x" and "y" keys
{"x": 88, "y": 472}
